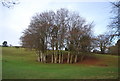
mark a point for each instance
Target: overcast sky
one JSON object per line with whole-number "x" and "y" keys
{"x": 15, "y": 20}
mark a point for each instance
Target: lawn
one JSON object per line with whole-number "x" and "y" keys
{"x": 17, "y": 63}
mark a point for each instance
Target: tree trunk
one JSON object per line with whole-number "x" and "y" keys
{"x": 38, "y": 59}
{"x": 52, "y": 59}
{"x": 55, "y": 57}
{"x": 59, "y": 58}
{"x": 75, "y": 58}
{"x": 41, "y": 57}
{"x": 68, "y": 58}
{"x": 71, "y": 58}
{"x": 44, "y": 58}
{"x": 62, "y": 59}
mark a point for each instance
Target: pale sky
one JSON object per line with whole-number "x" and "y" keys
{"x": 15, "y": 20}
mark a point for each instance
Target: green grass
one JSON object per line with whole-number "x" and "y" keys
{"x": 21, "y": 64}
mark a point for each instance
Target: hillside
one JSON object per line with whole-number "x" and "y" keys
{"x": 19, "y": 63}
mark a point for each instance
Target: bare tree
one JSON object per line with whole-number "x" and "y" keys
{"x": 9, "y": 3}
{"x": 115, "y": 23}
{"x": 103, "y": 41}
{"x": 62, "y": 18}
{"x": 37, "y": 35}
{"x": 79, "y": 37}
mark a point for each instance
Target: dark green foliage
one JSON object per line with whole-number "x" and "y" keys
{"x": 5, "y": 44}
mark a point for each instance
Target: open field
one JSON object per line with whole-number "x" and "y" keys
{"x": 20, "y": 64}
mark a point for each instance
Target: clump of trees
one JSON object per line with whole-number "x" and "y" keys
{"x": 4, "y": 44}
{"x": 56, "y": 31}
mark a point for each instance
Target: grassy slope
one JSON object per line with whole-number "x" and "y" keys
{"x": 21, "y": 64}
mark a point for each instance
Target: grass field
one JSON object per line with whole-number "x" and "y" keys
{"x": 20, "y": 64}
